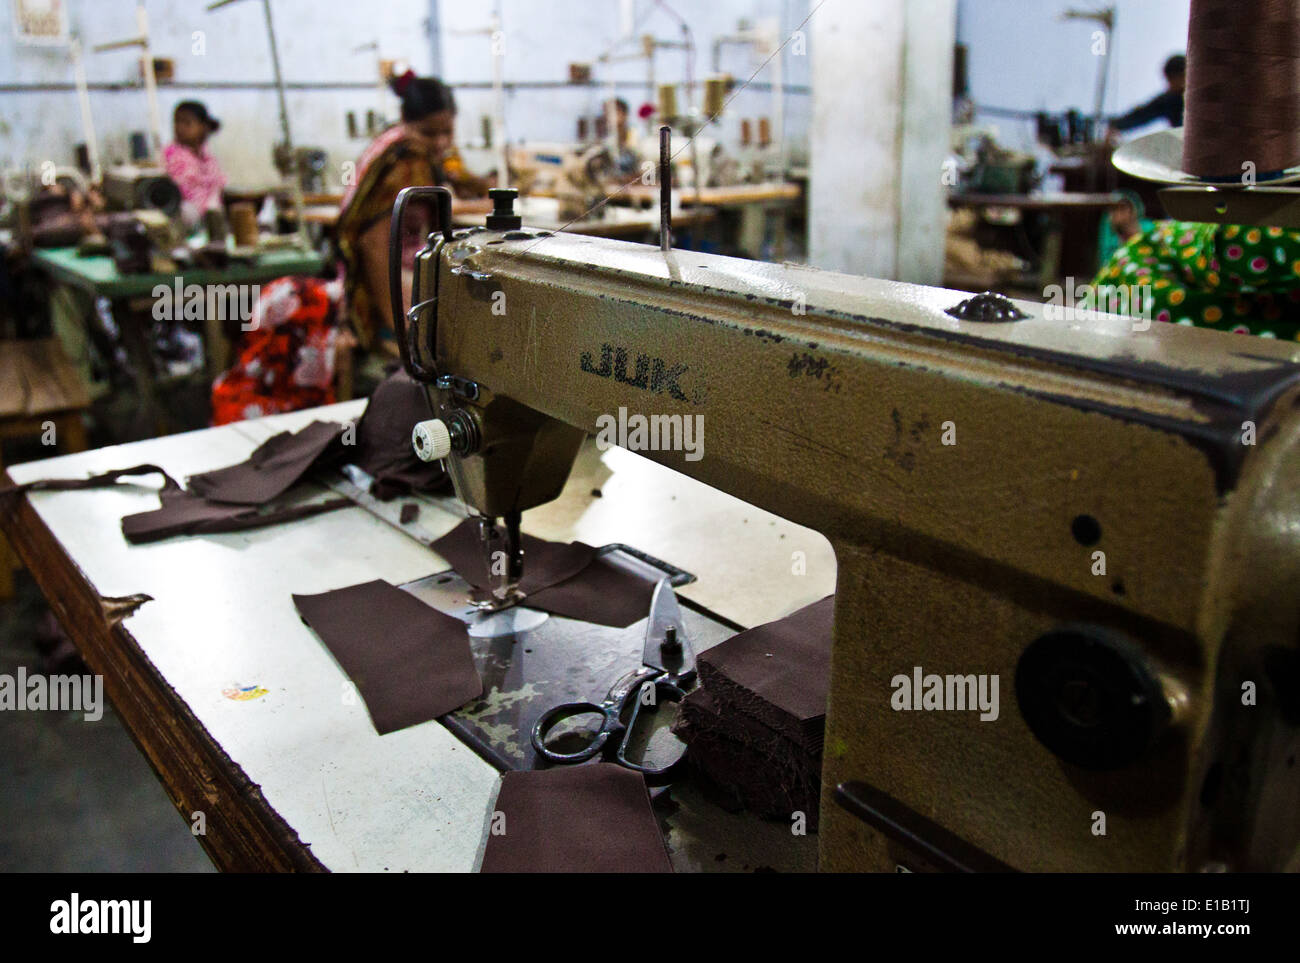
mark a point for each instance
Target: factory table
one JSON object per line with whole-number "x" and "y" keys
{"x": 1070, "y": 247}
{"x": 99, "y": 277}
{"x": 245, "y": 716}
{"x": 752, "y": 201}
{"x": 731, "y": 195}
{"x": 543, "y": 213}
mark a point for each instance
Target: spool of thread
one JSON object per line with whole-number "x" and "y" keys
{"x": 667, "y": 101}
{"x": 746, "y": 135}
{"x": 1243, "y": 89}
{"x": 715, "y": 94}
{"x": 243, "y": 223}
{"x": 214, "y": 222}
{"x": 764, "y": 132}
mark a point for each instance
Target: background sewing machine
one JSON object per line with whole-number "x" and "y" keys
{"x": 574, "y": 174}
{"x": 1106, "y": 519}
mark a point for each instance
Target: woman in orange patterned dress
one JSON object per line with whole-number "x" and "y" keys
{"x": 416, "y": 151}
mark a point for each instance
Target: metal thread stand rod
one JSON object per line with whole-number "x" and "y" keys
{"x": 295, "y": 178}
{"x": 665, "y": 190}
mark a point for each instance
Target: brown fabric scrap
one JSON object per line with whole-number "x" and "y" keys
{"x": 778, "y": 673}
{"x": 410, "y": 662}
{"x": 274, "y": 466}
{"x": 601, "y": 593}
{"x": 756, "y": 724}
{"x": 384, "y": 449}
{"x": 182, "y": 513}
{"x": 566, "y": 579}
{"x": 575, "y": 819}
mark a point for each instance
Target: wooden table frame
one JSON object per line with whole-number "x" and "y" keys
{"x": 242, "y": 832}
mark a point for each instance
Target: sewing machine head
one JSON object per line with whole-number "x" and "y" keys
{"x": 1102, "y": 518}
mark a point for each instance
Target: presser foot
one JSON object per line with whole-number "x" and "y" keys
{"x": 492, "y": 602}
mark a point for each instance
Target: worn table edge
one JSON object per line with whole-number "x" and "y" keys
{"x": 243, "y": 832}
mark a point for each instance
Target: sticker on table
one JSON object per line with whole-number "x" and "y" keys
{"x": 243, "y": 693}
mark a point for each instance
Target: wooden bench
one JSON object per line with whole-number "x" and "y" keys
{"x": 41, "y": 396}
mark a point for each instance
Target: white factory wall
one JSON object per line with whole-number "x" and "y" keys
{"x": 1024, "y": 57}
{"x": 882, "y": 105}
{"x": 232, "y": 76}
{"x": 39, "y": 118}
{"x": 544, "y": 36}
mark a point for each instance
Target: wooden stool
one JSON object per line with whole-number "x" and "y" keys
{"x": 41, "y": 396}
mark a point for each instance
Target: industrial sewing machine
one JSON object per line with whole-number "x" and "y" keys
{"x": 575, "y": 174}
{"x": 1105, "y": 518}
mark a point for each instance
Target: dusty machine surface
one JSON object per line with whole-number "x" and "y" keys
{"x": 1098, "y": 525}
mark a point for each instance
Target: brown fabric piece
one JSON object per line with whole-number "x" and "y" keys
{"x": 759, "y": 769}
{"x": 569, "y": 580}
{"x": 384, "y": 451}
{"x": 265, "y": 518}
{"x": 545, "y": 563}
{"x": 77, "y": 484}
{"x": 756, "y": 724}
{"x": 576, "y": 819}
{"x": 181, "y": 513}
{"x": 601, "y": 593}
{"x": 410, "y": 662}
{"x": 185, "y": 514}
{"x": 273, "y": 467}
{"x": 779, "y": 672}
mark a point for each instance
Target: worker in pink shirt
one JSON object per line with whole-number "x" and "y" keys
{"x": 190, "y": 164}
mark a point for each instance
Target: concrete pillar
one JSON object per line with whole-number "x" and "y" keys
{"x": 882, "y": 101}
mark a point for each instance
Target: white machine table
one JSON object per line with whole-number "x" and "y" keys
{"x": 247, "y": 718}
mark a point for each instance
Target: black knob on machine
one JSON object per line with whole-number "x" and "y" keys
{"x": 987, "y": 308}
{"x": 503, "y": 216}
{"x": 1090, "y": 696}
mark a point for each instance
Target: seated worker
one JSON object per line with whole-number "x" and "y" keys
{"x": 1167, "y": 105}
{"x": 625, "y": 138}
{"x": 1232, "y": 277}
{"x": 190, "y": 164}
{"x": 416, "y": 151}
{"x": 628, "y": 161}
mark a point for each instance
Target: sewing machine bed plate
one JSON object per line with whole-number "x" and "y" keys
{"x": 526, "y": 672}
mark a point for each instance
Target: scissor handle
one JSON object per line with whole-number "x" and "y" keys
{"x": 674, "y": 694}
{"x": 547, "y": 721}
{"x": 409, "y": 350}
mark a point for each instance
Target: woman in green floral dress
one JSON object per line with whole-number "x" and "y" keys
{"x": 1227, "y": 276}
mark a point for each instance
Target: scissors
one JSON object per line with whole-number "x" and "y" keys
{"x": 667, "y": 665}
